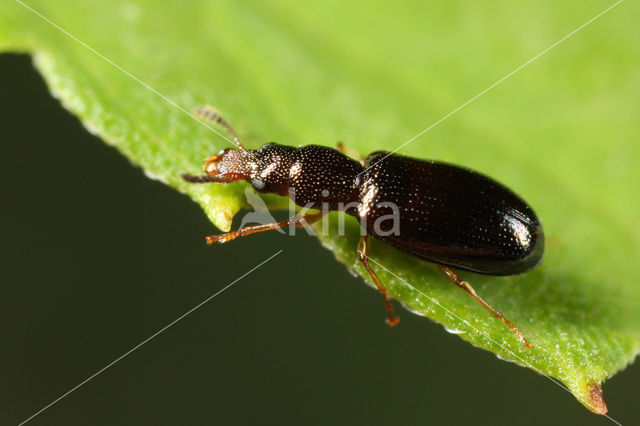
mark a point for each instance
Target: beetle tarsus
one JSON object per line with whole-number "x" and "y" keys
{"x": 363, "y": 255}
{"x": 451, "y": 276}
{"x": 392, "y": 322}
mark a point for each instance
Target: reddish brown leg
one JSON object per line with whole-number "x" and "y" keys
{"x": 363, "y": 255}
{"x": 451, "y": 276}
{"x": 340, "y": 147}
{"x": 298, "y": 221}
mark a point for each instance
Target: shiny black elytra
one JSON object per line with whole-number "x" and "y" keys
{"x": 449, "y": 215}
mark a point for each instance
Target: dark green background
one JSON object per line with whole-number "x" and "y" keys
{"x": 96, "y": 257}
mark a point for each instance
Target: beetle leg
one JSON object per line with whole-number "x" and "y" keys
{"x": 363, "y": 255}
{"x": 209, "y": 113}
{"x": 451, "y": 276}
{"x": 297, "y": 221}
{"x": 340, "y": 147}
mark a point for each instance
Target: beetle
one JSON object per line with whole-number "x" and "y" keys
{"x": 445, "y": 214}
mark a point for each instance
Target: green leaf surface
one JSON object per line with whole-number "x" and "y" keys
{"x": 563, "y": 132}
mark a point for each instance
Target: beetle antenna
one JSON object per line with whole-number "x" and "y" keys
{"x": 209, "y": 113}
{"x": 200, "y": 178}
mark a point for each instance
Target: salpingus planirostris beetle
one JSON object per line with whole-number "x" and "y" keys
{"x": 447, "y": 214}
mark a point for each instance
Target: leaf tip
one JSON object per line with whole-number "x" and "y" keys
{"x": 221, "y": 218}
{"x": 595, "y": 401}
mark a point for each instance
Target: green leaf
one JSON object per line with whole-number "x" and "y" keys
{"x": 563, "y": 131}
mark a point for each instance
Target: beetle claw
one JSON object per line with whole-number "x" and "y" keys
{"x": 392, "y": 322}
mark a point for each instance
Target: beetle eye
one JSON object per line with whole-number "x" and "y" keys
{"x": 211, "y": 165}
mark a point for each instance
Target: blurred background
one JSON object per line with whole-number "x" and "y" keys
{"x": 96, "y": 258}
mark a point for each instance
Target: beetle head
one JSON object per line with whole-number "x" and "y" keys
{"x": 229, "y": 165}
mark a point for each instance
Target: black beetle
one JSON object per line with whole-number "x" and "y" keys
{"x": 446, "y": 214}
